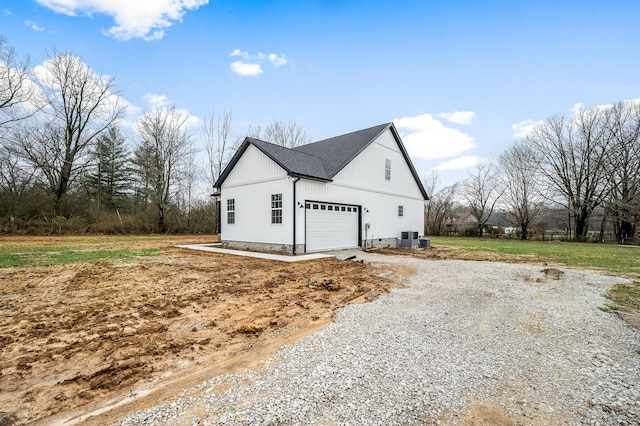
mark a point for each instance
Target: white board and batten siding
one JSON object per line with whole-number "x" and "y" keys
{"x": 362, "y": 183}
{"x": 253, "y": 200}
{"x": 360, "y": 186}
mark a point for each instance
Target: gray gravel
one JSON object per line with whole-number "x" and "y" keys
{"x": 491, "y": 340}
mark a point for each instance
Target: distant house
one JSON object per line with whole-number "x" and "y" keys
{"x": 510, "y": 230}
{"x": 342, "y": 192}
{"x": 458, "y": 222}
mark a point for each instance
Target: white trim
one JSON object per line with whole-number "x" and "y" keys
{"x": 253, "y": 182}
{"x": 362, "y": 188}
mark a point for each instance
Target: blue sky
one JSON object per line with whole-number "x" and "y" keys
{"x": 460, "y": 79}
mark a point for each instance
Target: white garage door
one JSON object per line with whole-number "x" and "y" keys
{"x": 331, "y": 226}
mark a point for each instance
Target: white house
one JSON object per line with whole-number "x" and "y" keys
{"x": 343, "y": 192}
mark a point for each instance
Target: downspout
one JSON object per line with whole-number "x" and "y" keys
{"x": 295, "y": 206}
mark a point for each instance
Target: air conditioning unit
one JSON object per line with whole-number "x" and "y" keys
{"x": 409, "y": 239}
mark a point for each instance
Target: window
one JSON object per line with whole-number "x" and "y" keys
{"x": 400, "y": 211}
{"x": 276, "y": 208}
{"x": 231, "y": 211}
{"x": 323, "y": 206}
{"x": 330, "y": 208}
{"x": 387, "y": 169}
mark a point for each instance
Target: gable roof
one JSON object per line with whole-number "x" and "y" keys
{"x": 324, "y": 159}
{"x": 338, "y": 151}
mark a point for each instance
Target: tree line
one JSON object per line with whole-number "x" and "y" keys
{"x": 69, "y": 161}
{"x": 67, "y": 165}
{"x": 584, "y": 164}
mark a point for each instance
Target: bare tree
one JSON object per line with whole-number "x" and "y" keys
{"x": 163, "y": 153}
{"x": 254, "y": 132}
{"x": 220, "y": 145}
{"x": 16, "y": 89}
{"x": 481, "y": 190}
{"x": 219, "y": 142}
{"x": 186, "y": 198}
{"x": 522, "y": 195}
{"x": 287, "y": 134}
{"x": 80, "y": 106}
{"x": 15, "y": 176}
{"x": 572, "y": 155}
{"x": 624, "y": 168}
{"x": 440, "y": 204}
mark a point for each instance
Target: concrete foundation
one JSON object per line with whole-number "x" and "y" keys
{"x": 380, "y": 243}
{"x": 263, "y": 247}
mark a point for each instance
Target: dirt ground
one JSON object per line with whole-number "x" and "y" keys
{"x": 92, "y": 342}
{"x": 442, "y": 252}
{"x": 76, "y": 338}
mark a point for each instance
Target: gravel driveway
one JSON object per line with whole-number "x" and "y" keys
{"x": 464, "y": 343}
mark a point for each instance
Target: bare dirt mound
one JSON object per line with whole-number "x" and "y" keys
{"x": 76, "y": 334}
{"x": 446, "y": 252}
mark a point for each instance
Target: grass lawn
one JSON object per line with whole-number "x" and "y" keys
{"x": 613, "y": 259}
{"x": 37, "y": 256}
{"x": 37, "y": 251}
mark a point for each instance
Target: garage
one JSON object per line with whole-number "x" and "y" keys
{"x": 331, "y": 226}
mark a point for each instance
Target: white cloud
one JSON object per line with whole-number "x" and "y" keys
{"x": 522, "y": 129}
{"x": 131, "y": 115}
{"x": 251, "y": 65}
{"x": 427, "y": 138}
{"x": 577, "y": 108}
{"x": 193, "y": 120}
{"x": 133, "y": 18}
{"x": 278, "y": 60}
{"x": 46, "y": 81}
{"x": 34, "y": 26}
{"x": 246, "y": 69}
{"x": 156, "y": 100}
{"x": 238, "y": 52}
{"x": 7, "y": 12}
{"x": 460, "y": 163}
{"x": 458, "y": 117}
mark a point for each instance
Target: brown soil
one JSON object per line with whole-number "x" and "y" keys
{"x": 441, "y": 252}
{"x": 76, "y": 338}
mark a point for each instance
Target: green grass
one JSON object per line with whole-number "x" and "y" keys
{"x": 609, "y": 258}
{"x": 626, "y": 295}
{"x": 38, "y": 255}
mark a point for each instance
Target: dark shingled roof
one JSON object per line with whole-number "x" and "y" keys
{"x": 320, "y": 160}
{"x": 294, "y": 162}
{"x": 338, "y": 151}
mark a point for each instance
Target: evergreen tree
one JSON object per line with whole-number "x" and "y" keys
{"x": 113, "y": 171}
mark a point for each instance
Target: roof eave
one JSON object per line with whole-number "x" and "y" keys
{"x": 396, "y": 135}
{"x": 236, "y": 157}
{"x": 310, "y": 177}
